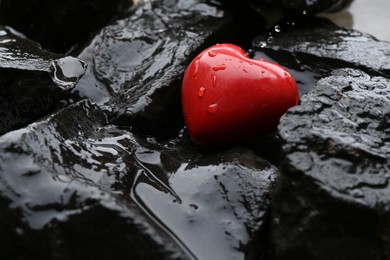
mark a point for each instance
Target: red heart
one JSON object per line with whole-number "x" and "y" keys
{"x": 229, "y": 98}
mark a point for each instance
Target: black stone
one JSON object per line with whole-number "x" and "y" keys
{"x": 60, "y": 197}
{"x": 60, "y": 25}
{"x": 32, "y": 80}
{"x": 221, "y": 197}
{"x": 72, "y": 187}
{"x": 308, "y": 6}
{"x": 136, "y": 64}
{"x": 333, "y": 194}
{"x": 312, "y": 47}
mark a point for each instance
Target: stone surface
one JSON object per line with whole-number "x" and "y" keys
{"x": 217, "y": 202}
{"x": 136, "y": 64}
{"x": 59, "y": 25}
{"x": 333, "y": 194}
{"x": 99, "y": 192}
{"x": 307, "y": 7}
{"x": 312, "y": 47}
{"x": 32, "y": 80}
{"x": 273, "y": 8}
{"x": 74, "y": 186}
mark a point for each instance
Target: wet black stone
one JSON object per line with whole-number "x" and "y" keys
{"x": 312, "y": 47}
{"x": 136, "y": 64}
{"x": 332, "y": 197}
{"x": 59, "y": 25}
{"x": 27, "y": 72}
{"x": 58, "y": 195}
{"x": 308, "y": 6}
{"x": 95, "y": 191}
{"x": 222, "y": 197}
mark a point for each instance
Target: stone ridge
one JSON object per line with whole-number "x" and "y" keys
{"x": 316, "y": 38}
{"x": 335, "y": 171}
{"x": 343, "y": 125}
{"x": 136, "y": 64}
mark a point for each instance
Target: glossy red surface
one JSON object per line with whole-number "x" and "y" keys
{"x": 229, "y": 98}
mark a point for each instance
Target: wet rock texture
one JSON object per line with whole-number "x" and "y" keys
{"x": 32, "y": 80}
{"x": 136, "y": 64}
{"x": 75, "y": 185}
{"x": 309, "y": 6}
{"x": 332, "y": 197}
{"x": 313, "y": 47}
{"x": 56, "y": 185}
{"x": 96, "y": 191}
{"x": 107, "y": 171}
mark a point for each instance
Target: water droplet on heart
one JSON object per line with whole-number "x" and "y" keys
{"x": 212, "y": 53}
{"x": 212, "y": 109}
{"x": 219, "y": 67}
{"x": 270, "y": 39}
{"x": 244, "y": 70}
{"x": 196, "y": 68}
{"x": 277, "y": 28}
{"x": 214, "y": 80}
{"x": 201, "y": 91}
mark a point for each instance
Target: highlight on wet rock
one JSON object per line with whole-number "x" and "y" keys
{"x": 334, "y": 172}
{"x": 33, "y": 81}
{"x": 96, "y": 161}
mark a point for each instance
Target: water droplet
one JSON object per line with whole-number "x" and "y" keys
{"x": 214, "y": 80}
{"x": 244, "y": 70}
{"x": 219, "y": 67}
{"x": 67, "y": 71}
{"x": 262, "y": 44}
{"x": 250, "y": 53}
{"x": 201, "y": 92}
{"x": 277, "y": 28}
{"x": 212, "y": 109}
{"x": 270, "y": 39}
{"x": 212, "y": 53}
{"x": 196, "y": 68}
{"x": 304, "y": 12}
{"x": 151, "y": 140}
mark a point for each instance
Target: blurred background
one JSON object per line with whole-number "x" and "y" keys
{"x": 370, "y": 17}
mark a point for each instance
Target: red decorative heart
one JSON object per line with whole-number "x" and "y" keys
{"x": 229, "y": 98}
